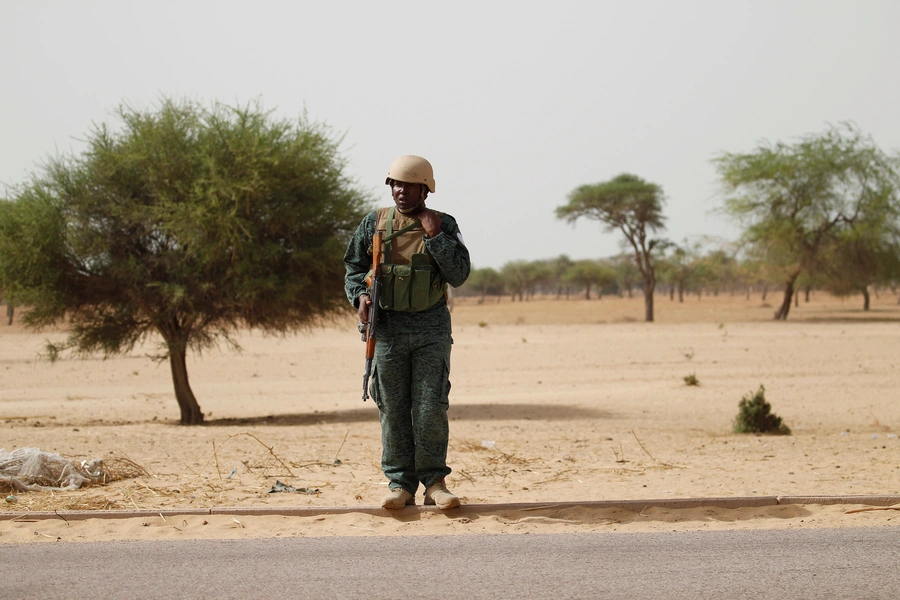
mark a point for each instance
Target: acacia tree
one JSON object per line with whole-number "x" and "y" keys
{"x": 515, "y": 278}
{"x": 521, "y": 277}
{"x": 679, "y": 267}
{"x": 795, "y": 200}
{"x": 589, "y": 273}
{"x": 722, "y": 268}
{"x": 856, "y": 261}
{"x": 540, "y": 277}
{"x": 486, "y": 281}
{"x": 187, "y": 222}
{"x": 558, "y": 267}
{"x": 626, "y": 272}
{"x": 634, "y": 207}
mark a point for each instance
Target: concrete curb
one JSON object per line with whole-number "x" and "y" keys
{"x": 311, "y": 511}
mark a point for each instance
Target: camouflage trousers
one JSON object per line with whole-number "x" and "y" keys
{"x": 411, "y": 387}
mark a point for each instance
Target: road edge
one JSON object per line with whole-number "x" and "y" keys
{"x": 311, "y": 511}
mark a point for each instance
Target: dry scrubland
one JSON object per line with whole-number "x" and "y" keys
{"x": 552, "y": 401}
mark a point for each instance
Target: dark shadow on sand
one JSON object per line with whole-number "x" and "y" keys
{"x": 852, "y": 315}
{"x": 849, "y": 320}
{"x": 459, "y": 412}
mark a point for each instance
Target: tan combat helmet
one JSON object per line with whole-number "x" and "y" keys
{"x": 412, "y": 169}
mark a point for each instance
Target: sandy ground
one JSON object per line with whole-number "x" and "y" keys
{"x": 553, "y": 401}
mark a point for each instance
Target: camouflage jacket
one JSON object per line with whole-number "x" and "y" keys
{"x": 448, "y": 251}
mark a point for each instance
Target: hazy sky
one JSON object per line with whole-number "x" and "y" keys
{"x": 515, "y": 104}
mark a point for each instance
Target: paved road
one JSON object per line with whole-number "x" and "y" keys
{"x": 817, "y": 563}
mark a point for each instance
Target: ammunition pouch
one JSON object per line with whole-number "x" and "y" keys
{"x": 411, "y": 288}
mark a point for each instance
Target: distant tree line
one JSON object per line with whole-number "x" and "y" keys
{"x": 683, "y": 271}
{"x": 821, "y": 213}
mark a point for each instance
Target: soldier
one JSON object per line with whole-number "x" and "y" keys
{"x": 410, "y": 375}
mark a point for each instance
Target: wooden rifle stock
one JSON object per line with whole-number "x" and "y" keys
{"x": 368, "y": 333}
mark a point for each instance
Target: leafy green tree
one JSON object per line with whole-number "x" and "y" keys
{"x": 722, "y": 269}
{"x": 515, "y": 278}
{"x": 665, "y": 274}
{"x": 587, "y": 273}
{"x": 186, "y": 222}
{"x": 485, "y": 282}
{"x": 634, "y": 207}
{"x": 754, "y": 274}
{"x": 540, "y": 277}
{"x": 764, "y": 268}
{"x": 627, "y": 273}
{"x": 747, "y": 274}
{"x": 795, "y": 200}
{"x": 558, "y": 267}
{"x": 703, "y": 277}
{"x": 521, "y": 277}
{"x": 856, "y": 260}
{"x": 678, "y": 267}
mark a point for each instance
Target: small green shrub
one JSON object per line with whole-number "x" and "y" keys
{"x": 755, "y": 416}
{"x": 691, "y": 379}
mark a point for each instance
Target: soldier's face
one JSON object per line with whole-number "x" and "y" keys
{"x": 407, "y": 196}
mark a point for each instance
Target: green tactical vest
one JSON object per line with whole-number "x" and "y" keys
{"x": 411, "y": 281}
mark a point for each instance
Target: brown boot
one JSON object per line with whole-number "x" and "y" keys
{"x": 398, "y": 498}
{"x": 439, "y": 495}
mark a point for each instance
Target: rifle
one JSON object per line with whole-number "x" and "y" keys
{"x": 368, "y": 329}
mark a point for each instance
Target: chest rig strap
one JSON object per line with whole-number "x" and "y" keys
{"x": 391, "y": 234}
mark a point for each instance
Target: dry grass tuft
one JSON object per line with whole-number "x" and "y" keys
{"x": 117, "y": 468}
{"x": 264, "y": 466}
{"x": 50, "y": 502}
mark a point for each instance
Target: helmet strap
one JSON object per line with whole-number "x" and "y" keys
{"x": 420, "y": 205}
{"x": 410, "y": 211}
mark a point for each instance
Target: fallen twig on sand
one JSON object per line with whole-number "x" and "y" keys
{"x": 504, "y": 458}
{"x": 250, "y": 435}
{"x": 465, "y": 475}
{"x": 147, "y": 487}
{"x": 216, "y": 455}
{"x": 336, "y": 454}
{"x": 552, "y": 479}
{"x": 359, "y": 494}
{"x": 642, "y": 445}
{"x": 859, "y": 510}
{"x": 648, "y": 453}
